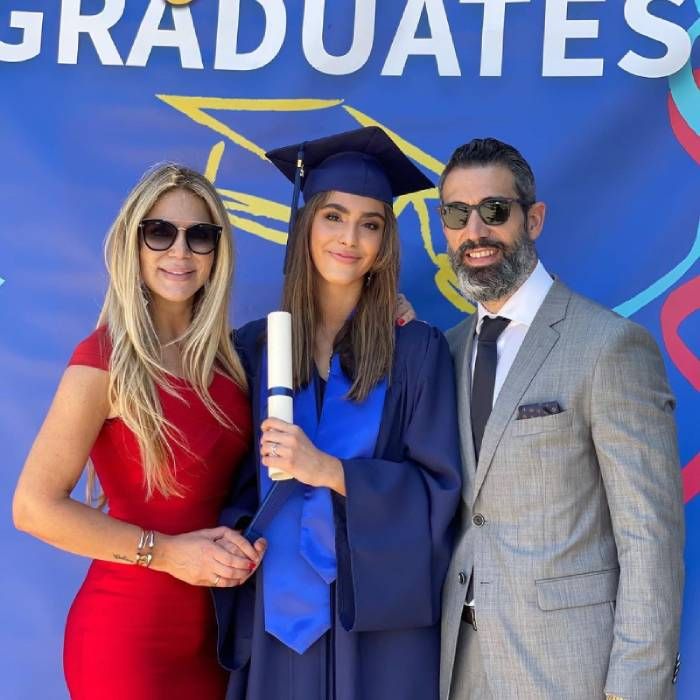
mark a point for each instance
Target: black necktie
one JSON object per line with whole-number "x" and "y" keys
{"x": 485, "y": 376}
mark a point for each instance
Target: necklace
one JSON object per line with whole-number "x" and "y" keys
{"x": 325, "y": 353}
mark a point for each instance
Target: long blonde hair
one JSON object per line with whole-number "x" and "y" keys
{"x": 366, "y": 342}
{"x": 135, "y": 367}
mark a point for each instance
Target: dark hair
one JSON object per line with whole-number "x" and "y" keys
{"x": 490, "y": 151}
{"x": 365, "y": 343}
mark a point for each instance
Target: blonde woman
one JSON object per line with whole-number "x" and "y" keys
{"x": 156, "y": 398}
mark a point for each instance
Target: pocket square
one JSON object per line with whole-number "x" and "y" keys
{"x": 537, "y": 410}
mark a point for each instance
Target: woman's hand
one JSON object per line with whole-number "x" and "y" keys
{"x": 404, "y": 310}
{"x": 285, "y": 446}
{"x": 215, "y": 557}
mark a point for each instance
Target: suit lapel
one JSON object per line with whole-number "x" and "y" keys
{"x": 537, "y": 345}
{"x": 463, "y": 371}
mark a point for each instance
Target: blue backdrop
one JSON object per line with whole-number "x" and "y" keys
{"x": 600, "y": 96}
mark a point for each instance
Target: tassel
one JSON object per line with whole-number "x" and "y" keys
{"x": 298, "y": 176}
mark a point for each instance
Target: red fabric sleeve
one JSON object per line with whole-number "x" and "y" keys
{"x": 94, "y": 351}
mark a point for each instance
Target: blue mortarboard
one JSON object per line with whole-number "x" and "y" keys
{"x": 365, "y": 162}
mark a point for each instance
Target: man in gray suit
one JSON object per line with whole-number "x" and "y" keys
{"x": 567, "y": 577}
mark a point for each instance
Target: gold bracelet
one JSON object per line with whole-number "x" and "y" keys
{"x": 147, "y": 539}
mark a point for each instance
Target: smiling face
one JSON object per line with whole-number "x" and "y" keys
{"x": 173, "y": 276}
{"x": 346, "y": 236}
{"x": 491, "y": 261}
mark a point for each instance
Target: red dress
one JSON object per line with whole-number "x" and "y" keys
{"x": 134, "y": 633}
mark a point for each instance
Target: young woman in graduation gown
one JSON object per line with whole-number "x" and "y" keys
{"x": 346, "y": 604}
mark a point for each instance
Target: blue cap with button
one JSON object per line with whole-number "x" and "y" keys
{"x": 365, "y": 162}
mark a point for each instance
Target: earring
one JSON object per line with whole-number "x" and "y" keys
{"x": 368, "y": 279}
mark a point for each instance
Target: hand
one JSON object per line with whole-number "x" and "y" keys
{"x": 285, "y": 446}
{"x": 404, "y": 311}
{"x": 234, "y": 543}
{"x": 207, "y": 557}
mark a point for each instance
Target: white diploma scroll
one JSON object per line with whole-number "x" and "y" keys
{"x": 280, "y": 403}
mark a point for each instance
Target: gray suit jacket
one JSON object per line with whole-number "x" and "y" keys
{"x": 578, "y": 566}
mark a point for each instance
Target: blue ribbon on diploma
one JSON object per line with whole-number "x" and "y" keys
{"x": 280, "y": 391}
{"x": 297, "y": 520}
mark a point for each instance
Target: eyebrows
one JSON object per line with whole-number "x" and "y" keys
{"x": 344, "y": 210}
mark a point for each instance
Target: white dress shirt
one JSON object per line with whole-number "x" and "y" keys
{"x": 520, "y": 309}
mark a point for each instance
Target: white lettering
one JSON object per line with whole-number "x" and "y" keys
{"x": 362, "y": 38}
{"x": 492, "y": 35}
{"x": 438, "y": 44}
{"x": 557, "y": 29}
{"x": 183, "y": 37}
{"x": 97, "y": 26}
{"x": 675, "y": 38}
{"x": 30, "y": 46}
{"x": 227, "y": 54}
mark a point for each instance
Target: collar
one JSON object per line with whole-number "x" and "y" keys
{"x": 522, "y": 306}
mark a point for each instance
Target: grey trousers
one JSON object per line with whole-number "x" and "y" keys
{"x": 468, "y": 677}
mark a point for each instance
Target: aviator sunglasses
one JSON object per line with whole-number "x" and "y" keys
{"x": 493, "y": 211}
{"x": 160, "y": 235}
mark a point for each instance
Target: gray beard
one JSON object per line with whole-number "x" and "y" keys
{"x": 496, "y": 281}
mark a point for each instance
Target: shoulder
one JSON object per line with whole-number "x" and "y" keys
{"x": 252, "y": 333}
{"x": 606, "y": 341}
{"x": 588, "y": 317}
{"x": 457, "y": 335}
{"x": 248, "y": 340}
{"x": 418, "y": 343}
{"x": 93, "y": 351}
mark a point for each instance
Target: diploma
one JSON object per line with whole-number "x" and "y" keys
{"x": 280, "y": 402}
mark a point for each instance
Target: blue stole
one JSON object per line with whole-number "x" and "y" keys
{"x": 300, "y": 562}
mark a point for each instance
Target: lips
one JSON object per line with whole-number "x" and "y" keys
{"x": 179, "y": 275}
{"x": 481, "y": 257}
{"x": 482, "y": 253}
{"x": 344, "y": 258}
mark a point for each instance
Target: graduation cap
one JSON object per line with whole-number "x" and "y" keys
{"x": 364, "y": 162}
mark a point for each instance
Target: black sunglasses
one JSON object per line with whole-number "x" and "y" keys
{"x": 493, "y": 211}
{"x": 160, "y": 235}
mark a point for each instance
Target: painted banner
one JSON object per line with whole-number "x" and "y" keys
{"x": 601, "y": 96}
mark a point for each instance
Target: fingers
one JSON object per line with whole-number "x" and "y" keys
{"x": 280, "y": 426}
{"x": 218, "y": 581}
{"x": 233, "y": 569}
{"x": 282, "y": 443}
{"x": 216, "y": 533}
{"x": 404, "y": 311}
{"x": 234, "y": 542}
{"x": 234, "y": 562}
{"x": 405, "y": 318}
{"x": 233, "y": 566}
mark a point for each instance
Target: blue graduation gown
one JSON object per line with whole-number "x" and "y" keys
{"x": 393, "y": 544}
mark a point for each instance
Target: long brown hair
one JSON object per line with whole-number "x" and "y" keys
{"x": 366, "y": 342}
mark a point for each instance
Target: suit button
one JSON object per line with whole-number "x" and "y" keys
{"x": 478, "y": 519}
{"x": 462, "y": 577}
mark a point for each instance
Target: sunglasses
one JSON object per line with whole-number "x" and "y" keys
{"x": 493, "y": 211}
{"x": 160, "y": 235}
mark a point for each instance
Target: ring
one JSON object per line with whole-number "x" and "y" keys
{"x": 273, "y": 449}
{"x": 216, "y": 580}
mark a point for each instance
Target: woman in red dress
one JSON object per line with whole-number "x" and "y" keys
{"x": 156, "y": 398}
